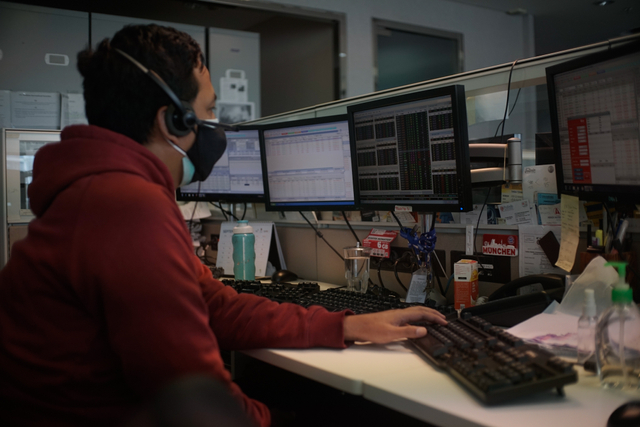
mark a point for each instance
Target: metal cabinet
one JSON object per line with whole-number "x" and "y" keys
{"x": 38, "y": 48}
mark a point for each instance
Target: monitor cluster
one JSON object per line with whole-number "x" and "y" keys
{"x": 412, "y": 149}
{"x": 409, "y": 150}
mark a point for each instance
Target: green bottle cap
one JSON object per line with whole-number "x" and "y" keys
{"x": 621, "y": 293}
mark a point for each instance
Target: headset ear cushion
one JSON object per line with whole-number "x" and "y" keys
{"x": 175, "y": 122}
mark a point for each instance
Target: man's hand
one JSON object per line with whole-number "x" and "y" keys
{"x": 387, "y": 326}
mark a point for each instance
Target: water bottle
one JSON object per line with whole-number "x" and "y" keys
{"x": 244, "y": 252}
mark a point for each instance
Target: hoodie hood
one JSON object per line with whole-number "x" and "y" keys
{"x": 89, "y": 150}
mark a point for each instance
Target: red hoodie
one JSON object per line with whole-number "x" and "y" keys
{"x": 104, "y": 301}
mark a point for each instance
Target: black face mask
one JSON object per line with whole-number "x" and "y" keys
{"x": 207, "y": 150}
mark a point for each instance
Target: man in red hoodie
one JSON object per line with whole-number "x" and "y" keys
{"x": 104, "y": 301}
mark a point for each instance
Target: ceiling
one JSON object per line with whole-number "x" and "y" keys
{"x": 564, "y": 24}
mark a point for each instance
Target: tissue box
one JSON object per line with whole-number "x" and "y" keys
{"x": 465, "y": 283}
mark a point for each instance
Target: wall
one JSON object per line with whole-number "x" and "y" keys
{"x": 296, "y": 70}
{"x": 490, "y": 37}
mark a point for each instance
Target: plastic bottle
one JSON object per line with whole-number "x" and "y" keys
{"x": 587, "y": 328}
{"x": 618, "y": 337}
{"x": 244, "y": 253}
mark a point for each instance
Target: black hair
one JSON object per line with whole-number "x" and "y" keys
{"x": 119, "y": 96}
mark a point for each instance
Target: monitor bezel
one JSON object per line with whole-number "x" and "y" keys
{"x": 227, "y": 197}
{"x": 604, "y": 192}
{"x": 461, "y": 141}
{"x": 311, "y": 206}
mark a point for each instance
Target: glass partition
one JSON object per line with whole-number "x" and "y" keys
{"x": 486, "y": 95}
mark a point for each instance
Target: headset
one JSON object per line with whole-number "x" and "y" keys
{"x": 179, "y": 117}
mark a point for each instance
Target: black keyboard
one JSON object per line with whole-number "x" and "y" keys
{"x": 338, "y": 299}
{"x": 279, "y": 292}
{"x": 492, "y": 364}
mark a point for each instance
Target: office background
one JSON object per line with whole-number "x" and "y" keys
{"x": 314, "y": 52}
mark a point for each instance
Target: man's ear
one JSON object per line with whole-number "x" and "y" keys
{"x": 160, "y": 124}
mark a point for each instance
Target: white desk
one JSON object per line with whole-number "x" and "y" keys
{"x": 394, "y": 376}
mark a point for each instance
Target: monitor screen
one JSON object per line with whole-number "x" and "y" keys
{"x": 307, "y": 165}
{"x": 236, "y": 177}
{"x": 595, "y": 122}
{"x": 412, "y": 150}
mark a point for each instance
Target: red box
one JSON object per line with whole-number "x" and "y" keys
{"x": 465, "y": 285}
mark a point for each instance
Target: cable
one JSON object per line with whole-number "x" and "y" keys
{"x": 225, "y": 212}
{"x": 475, "y": 237}
{"x": 319, "y": 234}
{"x": 379, "y": 274}
{"x": 506, "y": 108}
{"x": 226, "y": 218}
{"x": 510, "y": 111}
{"x": 609, "y": 222}
{"x": 351, "y": 228}
{"x": 395, "y": 272}
{"x": 446, "y": 289}
{"x": 397, "y": 220}
{"x": 193, "y": 213}
{"x": 438, "y": 277}
{"x": 244, "y": 212}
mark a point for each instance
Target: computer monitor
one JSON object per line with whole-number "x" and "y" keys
{"x": 595, "y": 122}
{"x": 236, "y": 177}
{"x": 18, "y": 150}
{"x": 412, "y": 150}
{"x": 307, "y": 165}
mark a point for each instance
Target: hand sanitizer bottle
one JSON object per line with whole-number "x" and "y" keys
{"x": 618, "y": 337}
{"x": 587, "y": 328}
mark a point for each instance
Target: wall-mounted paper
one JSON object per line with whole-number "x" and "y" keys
{"x": 517, "y": 213}
{"x": 72, "y": 110}
{"x": 538, "y": 179}
{"x": 532, "y": 258}
{"x": 35, "y": 110}
{"x": 570, "y": 220}
{"x": 5, "y": 108}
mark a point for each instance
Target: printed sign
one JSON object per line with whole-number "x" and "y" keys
{"x": 500, "y": 244}
{"x": 380, "y": 242}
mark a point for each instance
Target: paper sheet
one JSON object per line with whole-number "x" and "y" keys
{"x": 550, "y": 214}
{"x": 5, "y": 109}
{"x": 511, "y": 193}
{"x": 72, "y": 110}
{"x": 532, "y": 258}
{"x": 538, "y": 179}
{"x": 35, "y": 110}
{"x": 570, "y": 219}
{"x": 556, "y": 332}
{"x": 201, "y": 211}
{"x": 517, "y": 213}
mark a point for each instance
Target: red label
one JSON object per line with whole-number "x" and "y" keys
{"x": 579, "y": 148}
{"x": 380, "y": 242}
{"x": 500, "y": 244}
